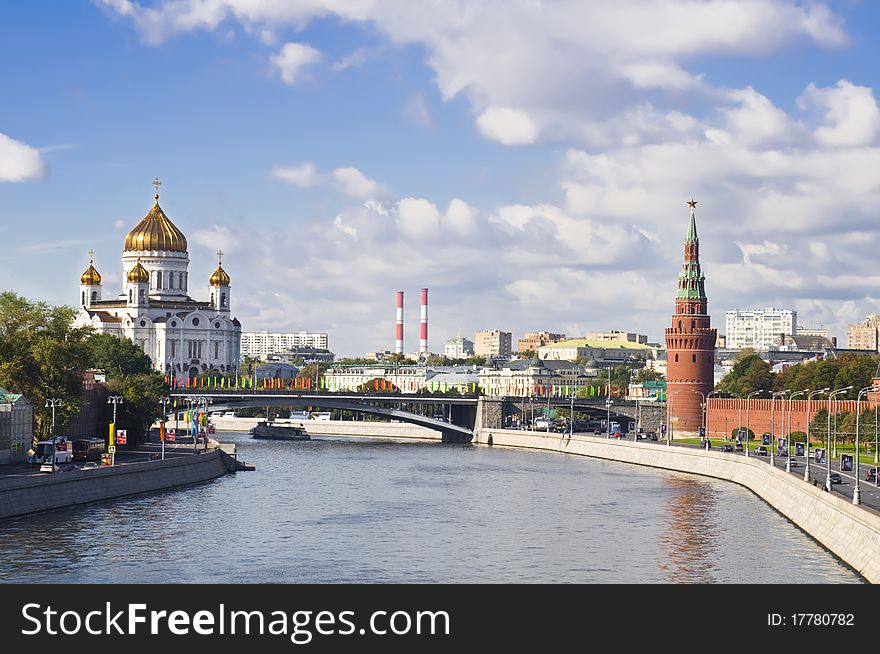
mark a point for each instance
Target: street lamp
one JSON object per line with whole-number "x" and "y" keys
{"x": 608, "y": 403}
{"x": 706, "y": 418}
{"x": 857, "y": 491}
{"x": 773, "y": 422}
{"x": 740, "y": 422}
{"x": 788, "y": 433}
{"x": 669, "y": 416}
{"x": 828, "y": 445}
{"x": 809, "y": 423}
{"x": 54, "y": 402}
{"x": 748, "y": 404}
{"x": 114, "y": 400}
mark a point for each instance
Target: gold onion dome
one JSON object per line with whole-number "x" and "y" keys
{"x": 91, "y": 277}
{"x": 155, "y": 232}
{"x": 220, "y": 277}
{"x": 138, "y": 274}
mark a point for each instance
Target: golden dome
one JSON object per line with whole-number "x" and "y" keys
{"x": 91, "y": 277}
{"x": 220, "y": 277}
{"x": 138, "y": 274}
{"x": 155, "y": 232}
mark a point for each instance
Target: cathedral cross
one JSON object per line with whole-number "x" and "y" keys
{"x": 156, "y": 185}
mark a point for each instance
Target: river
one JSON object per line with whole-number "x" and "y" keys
{"x": 345, "y": 510}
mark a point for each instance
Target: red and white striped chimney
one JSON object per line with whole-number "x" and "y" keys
{"x": 423, "y": 335}
{"x": 398, "y": 338}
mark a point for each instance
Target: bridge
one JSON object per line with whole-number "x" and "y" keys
{"x": 463, "y": 414}
{"x": 456, "y": 427}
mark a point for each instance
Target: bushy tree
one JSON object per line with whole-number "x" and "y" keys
{"x": 42, "y": 356}
{"x": 750, "y": 373}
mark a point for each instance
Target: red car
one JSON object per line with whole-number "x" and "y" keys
{"x": 617, "y": 434}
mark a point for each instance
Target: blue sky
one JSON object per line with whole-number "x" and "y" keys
{"x": 527, "y": 164}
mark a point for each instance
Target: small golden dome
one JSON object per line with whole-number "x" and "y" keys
{"x": 155, "y": 232}
{"x": 91, "y": 277}
{"x": 220, "y": 277}
{"x": 138, "y": 274}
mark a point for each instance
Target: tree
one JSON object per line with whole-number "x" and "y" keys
{"x": 42, "y": 356}
{"x": 750, "y": 373}
{"x": 129, "y": 374}
{"x": 117, "y": 356}
{"x": 648, "y": 374}
{"x": 142, "y": 402}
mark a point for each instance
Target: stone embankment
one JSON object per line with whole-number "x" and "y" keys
{"x": 26, "y": 495}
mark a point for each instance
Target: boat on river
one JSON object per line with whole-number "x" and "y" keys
{"x": 274, "y": 431}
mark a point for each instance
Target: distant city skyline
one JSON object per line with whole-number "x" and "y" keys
{"x": 340, "y": 154}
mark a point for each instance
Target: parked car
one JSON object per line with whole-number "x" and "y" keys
{"x": 738, "y": 447}
{"x": 617, "y": 435}
{"x": 49, "y": 466}
{"x": 761, "y": 451}
{"x": 726, "y": 447}
{"x": 91, "y": 465}
{"x": 871, "y": 474}
{"x": 836, "y": 478}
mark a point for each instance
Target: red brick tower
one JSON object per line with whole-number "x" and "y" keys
{"x": 690, "y": 342}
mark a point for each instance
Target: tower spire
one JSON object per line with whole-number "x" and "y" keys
{"x": 156, "y": 185}
{"x": 692, "y": 228}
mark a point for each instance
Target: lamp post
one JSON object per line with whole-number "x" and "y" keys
{"x": 608, "y": 403}
{"x": 788, "y": 433}
{"x": 54, "y": 402}
{"x": 773, "y": 423}
{"x": 748, "y": 429}
{"x": 809, "y": 423}
{"x": 702, "y": 411}
{"x": 165, "y": 402}
{"x": 669, "y": 416}
{"x": 857, "y": 491}
{"x": 739, "y": 424}
{"x": 114, "y": 400}
{"x": 706, "y": 421}
{"x": 828, "y": 445}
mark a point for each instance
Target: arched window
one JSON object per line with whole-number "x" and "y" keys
{"x": 84, "y": 297}
{"x": 159, "y": 280}
{"x": 679, "y": 324}
{"x": 94, "y": 295}
{"x": 676, "y": 358}
{"x": 212, "y": 298}
{"x": 693, "y": 323}
{"x": 130, "y": 295}
{"x": 141, "y": 295}
{"x": 223, "y": 299}
{"x": 171, "y": 280}
{"x": 693, "y": 358}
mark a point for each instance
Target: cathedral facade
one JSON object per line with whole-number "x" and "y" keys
{"x": 183, "y": 337}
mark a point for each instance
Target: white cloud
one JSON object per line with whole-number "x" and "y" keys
{"x": 19, "y": 162}
{"x": 851, "y": 115}
{"x": 417, "y": 217}
{"x": 354, "y": 183}
{"x": 576, "y": 64}
{"x": 507, "y": 126}
{"x": 305, "y": 175}
{"x": 292, "y": 59}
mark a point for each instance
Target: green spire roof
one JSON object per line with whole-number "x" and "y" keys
{"x": 692, "y": 229}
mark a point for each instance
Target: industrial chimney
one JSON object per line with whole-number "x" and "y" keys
{"x": 398, "y": 338}
{"x": 423, "y": 335}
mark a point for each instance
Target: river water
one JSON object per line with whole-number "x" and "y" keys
{"x": 345, "y": 510}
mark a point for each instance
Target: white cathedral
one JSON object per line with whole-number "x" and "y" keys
{"x": 183, "y": 337}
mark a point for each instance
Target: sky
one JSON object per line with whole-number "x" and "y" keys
{"x": 529, "y": 162}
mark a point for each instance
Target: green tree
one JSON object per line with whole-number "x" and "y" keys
{"x": 749, "y": 373}
{"x": 117, "y": 356}
{"x": 41, "y": 356}
{"x": 142, "y": 402}
{"x": 130, "y": 374}
{"x": 647, "y": 374}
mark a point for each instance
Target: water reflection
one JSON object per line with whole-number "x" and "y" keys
{"x": 690, "y": 540}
